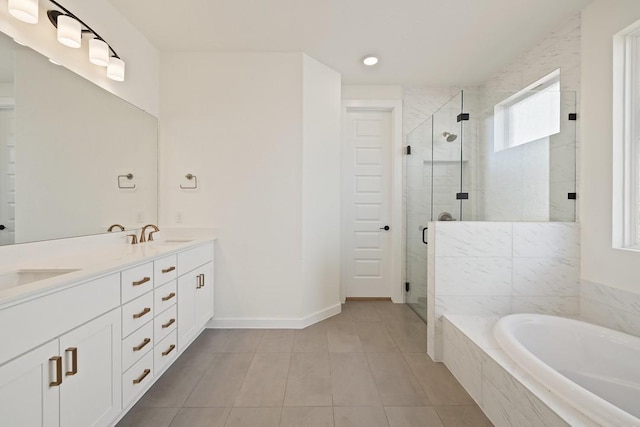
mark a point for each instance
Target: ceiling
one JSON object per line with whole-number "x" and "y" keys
{"x": 420, "y": 42}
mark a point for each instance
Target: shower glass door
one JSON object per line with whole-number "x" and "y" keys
{"x": 419, "y": 182}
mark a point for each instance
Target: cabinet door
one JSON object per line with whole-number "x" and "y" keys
{"x": 204, "y": 296}
{"x": 90, "y": 392}
{"x": 187, "y": 287}
{"x": 26, "y": 397}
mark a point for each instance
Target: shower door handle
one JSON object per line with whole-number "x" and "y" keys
{"x": 424, "y": 236}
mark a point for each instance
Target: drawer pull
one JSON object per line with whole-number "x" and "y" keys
{"x": 202, "y": 275}
{"x": 58, "y": 380}
{"x": 140, "y": 282}
{"x": 169, "y": 350}
{"x": 168, "y": 270}
{"x": 142, "y": 344}
{"x": 168, "y": 297}
{"x": 142, "y": 313}
{"x": 74, "y": 361}
{"x": 200, "y": 281}
{"x": 169, "y": 323}
{"x": 142, "y": 377}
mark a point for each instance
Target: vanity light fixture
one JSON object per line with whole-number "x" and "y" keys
{"x": 70, "y": 29}
{"x": 24, "y": 10}
{"x": 370, "y": 60}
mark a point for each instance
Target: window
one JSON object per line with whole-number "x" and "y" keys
{"x": 530, "y": 115}
{"x": 626, "y": 137}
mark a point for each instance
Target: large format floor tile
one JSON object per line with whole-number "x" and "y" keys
{"x": 364, "y": 367}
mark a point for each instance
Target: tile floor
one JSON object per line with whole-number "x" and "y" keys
{"x": 364, "y": 367}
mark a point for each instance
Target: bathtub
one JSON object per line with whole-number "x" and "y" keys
{"x": 595, "y": 369}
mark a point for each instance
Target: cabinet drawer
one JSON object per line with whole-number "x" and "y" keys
{"x": 29, "y": 324}
{"x": 137, "y": 379}
{"x": 165, "y": 351}
{"x": 193, "y": 258}
{"x": 136, "y": 281}
{"x": 165, "y": 269}
{"x": 136, "y": 313}
{"x": 165, "y": 296}
{"x": 165, "y": 323}
{"x": 137, "y": 345}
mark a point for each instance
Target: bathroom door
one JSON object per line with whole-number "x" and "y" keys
{"x": 419, "y": 211}
{"x": 366, "y": 195}
{"x": 7, "y": 176}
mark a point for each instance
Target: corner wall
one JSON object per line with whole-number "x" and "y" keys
{"x": 266, "y": 162}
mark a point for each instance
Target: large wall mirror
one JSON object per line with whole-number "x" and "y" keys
{"x": 74, "y": 158}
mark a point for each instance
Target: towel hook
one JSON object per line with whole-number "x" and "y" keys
{"x": 129, "y": 176}
{"x": 190, "y": 177}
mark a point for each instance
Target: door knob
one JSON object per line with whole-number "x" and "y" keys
{"x": 385, "y": 228}
{"x": 2, "y": 227}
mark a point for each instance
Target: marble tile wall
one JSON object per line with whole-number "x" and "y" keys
{"x": 498, "y": 268}
{"x": 614, "y": 308}
{"x": 530, "y": 182}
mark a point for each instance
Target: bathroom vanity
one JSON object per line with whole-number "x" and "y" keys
{"x": 81, "y": 345}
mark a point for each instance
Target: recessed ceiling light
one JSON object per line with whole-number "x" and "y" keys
{"x": 370, "y": 60}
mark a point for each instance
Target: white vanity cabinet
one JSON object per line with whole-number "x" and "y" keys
{"x": 195, "y": 293}
{"x": 72, "y": 381}
{"x": 80, "y": 355}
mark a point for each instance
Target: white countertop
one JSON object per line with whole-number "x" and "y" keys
{"x": 102, "y": 257}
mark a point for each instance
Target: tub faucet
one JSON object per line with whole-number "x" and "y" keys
{"x": 143, "y": 237}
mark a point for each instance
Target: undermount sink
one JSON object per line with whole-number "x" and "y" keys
{"x": 22, "y": 277}
{"x": 170, "y": 242}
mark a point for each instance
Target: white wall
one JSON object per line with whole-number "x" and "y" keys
{"x": 141, "y": 85}
{"x": 235, "y": 120}
{"x": 320, "y": 185}
{"x": 600, "y": 263}
{"x": 530, "y": 182}
{"x": 371, "y": 92}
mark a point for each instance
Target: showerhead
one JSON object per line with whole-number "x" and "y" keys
{"x": 450, "y": 137}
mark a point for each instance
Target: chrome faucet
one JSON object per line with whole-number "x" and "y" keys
{"x": 143, "y": 237}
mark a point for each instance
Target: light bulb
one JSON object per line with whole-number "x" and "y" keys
{"x": 69, "y": 31}
{"x": 99, "y": 52}
{"x": 24, "y": 10}
{"x": 115, "y": 69}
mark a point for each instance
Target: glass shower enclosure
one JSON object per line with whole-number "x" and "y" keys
{"x": 487, "y": 156}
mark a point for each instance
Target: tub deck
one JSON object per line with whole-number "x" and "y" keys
{"x": 506, "y": 394}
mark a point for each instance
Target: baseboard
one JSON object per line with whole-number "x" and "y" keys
{"x": 274, "y": 323}
{"x": 368, "y": 299}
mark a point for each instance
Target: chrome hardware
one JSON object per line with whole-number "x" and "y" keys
{"x": 190, "y": 177}
{"x": 129, "y": 176}
{"x": 74, "y": 361}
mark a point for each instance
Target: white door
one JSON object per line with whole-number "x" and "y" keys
{"x": 90, "y": 394}
{"x": 7, "y": 176}
{"x": 27, "y": 398}
{"x": 366, "y": 175}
